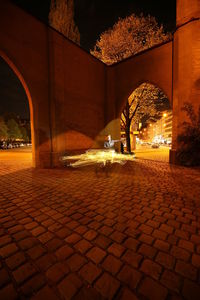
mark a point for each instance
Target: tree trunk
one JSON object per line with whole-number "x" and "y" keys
{"x": 127, "y": 127}
{"x": 128, "y": 140}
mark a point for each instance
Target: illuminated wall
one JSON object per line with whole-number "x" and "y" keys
{"x": 186, "y": 64}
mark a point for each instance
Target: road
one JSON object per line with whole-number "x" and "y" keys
{"x": 160, "y": 154}
{"x": 19, "y": 155}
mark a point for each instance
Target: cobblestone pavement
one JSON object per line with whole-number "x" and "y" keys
{"x": 133, "y": 233}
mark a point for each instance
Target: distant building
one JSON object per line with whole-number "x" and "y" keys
{"x": 167, "y": 133}
{"x": 160, "y": 131}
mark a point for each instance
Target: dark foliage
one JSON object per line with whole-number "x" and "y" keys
{"x": 188, "y": 152}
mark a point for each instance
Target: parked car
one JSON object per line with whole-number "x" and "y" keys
{"x": 3, "y": 145}
{"x": 15, "y": 145}
{"x": 155, "y": 145}
{"x": 9, "y": 146}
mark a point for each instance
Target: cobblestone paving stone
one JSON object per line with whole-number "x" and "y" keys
{"x": 78, "y": 234}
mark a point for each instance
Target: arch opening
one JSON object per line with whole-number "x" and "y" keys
{"x": 16, "y": 114}
{"x": 146, "y": 123}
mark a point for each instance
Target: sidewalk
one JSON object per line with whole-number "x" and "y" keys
{"x": 75, "y": 234}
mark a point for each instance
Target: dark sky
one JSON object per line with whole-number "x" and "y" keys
{"x": 95, "y": 16}
{"x": 92, "y": 17}
{"x": 12, "y": 95}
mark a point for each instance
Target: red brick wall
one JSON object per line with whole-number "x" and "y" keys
{"x": 153, "y": 66}
{"x": 187, "y": 10}
{"x": 66, "y": 84}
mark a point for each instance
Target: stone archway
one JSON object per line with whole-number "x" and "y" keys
{"x": 154, "y": 65}
{"x": 138, "y": 84}
{"x": 146, "y": 122}
{"x": 26, "y": 89}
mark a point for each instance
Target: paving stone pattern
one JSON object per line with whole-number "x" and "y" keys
{"x": 133, "y": 233}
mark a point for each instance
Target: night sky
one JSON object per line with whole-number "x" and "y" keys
{"x": 92, "y": 17}
{"x": 12, "y": 95}
{"x": 95, "y": 16}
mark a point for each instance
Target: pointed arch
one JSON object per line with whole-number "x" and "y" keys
{"x": 26, "y": 89}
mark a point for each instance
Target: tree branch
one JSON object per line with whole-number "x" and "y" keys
{"x": 134, "y": 112}
{"x": 123, "y": 121}
{"x": 124, "y": 113}
{"x": 132, "y": 101}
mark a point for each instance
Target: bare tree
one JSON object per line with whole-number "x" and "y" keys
{"x": 144, "y": 103}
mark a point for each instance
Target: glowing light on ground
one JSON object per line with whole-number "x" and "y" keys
{"x": 94, "y": 156}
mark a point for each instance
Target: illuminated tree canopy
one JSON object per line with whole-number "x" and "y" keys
{"x": 61, "y": 17}
{"x": 3, "y": 129}
{"x": 129, "y": 36}
{"x": 13, "y": 129}
{"x": 145, "y": 102}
